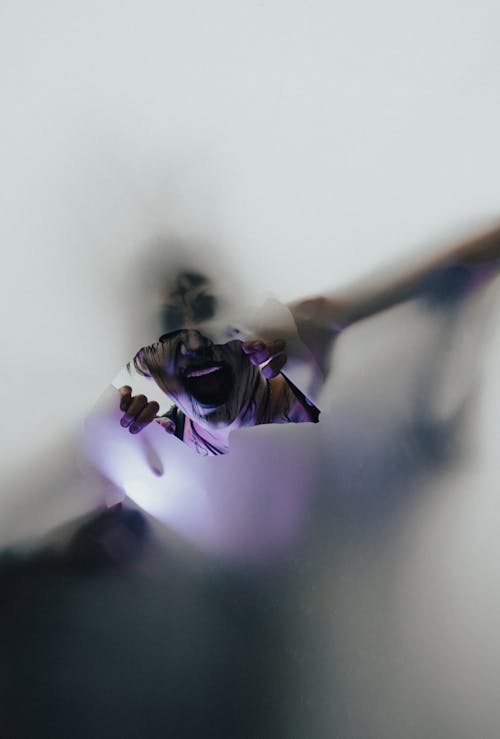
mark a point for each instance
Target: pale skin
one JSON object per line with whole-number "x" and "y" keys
{"x": 320, "y": 318}
{"x": 343, "y": 309}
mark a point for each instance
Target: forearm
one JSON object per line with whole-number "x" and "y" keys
{"x": 482, "y": 249}
{"x": 345, "y": 307}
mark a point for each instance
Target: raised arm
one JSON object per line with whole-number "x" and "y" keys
{"x": 337, "y": 311}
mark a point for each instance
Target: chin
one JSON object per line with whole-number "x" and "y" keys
{"x": 219, "y": 418}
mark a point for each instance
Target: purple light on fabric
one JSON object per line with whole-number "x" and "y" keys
{"x": 249, "y": 504}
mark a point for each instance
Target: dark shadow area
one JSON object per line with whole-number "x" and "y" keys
{"x": 118, "y": 634}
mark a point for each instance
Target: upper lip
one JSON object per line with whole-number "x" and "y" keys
{"x": 198, "y": 368}
{"x": 200, "y": 371}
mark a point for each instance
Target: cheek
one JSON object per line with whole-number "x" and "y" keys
{"x": 246, "y": 379}
{"x": 168, "y": 379}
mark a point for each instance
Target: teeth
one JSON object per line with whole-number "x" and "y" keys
{"x": 201, "y": 372}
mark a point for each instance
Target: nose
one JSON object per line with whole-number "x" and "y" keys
{"x": 193, "y": 344}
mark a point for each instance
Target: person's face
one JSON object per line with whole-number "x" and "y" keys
{"x": 211, "y": 383}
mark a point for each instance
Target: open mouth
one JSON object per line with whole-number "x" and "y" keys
{"x": 210, "y": 384}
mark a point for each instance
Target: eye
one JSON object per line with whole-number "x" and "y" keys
{"x": 172, "y": 317}
{"x": 203, "y": 307}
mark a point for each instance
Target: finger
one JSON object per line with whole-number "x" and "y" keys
{"x": 125, "y": 397}
{"x": 146, "y": 415}
{"x": 275, "y": 366}
{"x": 276, "y": 346}
{"x": 167, "y": 424}
{"x": 264, "y": 351}
{"x": 263, "y": 356}
{"x": 249, "y": 347}
{"x": 135, "y": 407}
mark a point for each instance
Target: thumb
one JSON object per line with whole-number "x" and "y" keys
{"x": 167, "y": 424}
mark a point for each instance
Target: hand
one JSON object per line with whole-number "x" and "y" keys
{"x": 269, "y": 353}
{"x": 139, "y": 412}
{"x": 320, "y": 313}
{"x": 319, "y": 322}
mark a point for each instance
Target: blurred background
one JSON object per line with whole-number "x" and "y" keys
{"x": 283, "y": 149}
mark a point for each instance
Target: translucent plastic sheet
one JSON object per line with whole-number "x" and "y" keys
{"x": 329, "y": 580}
